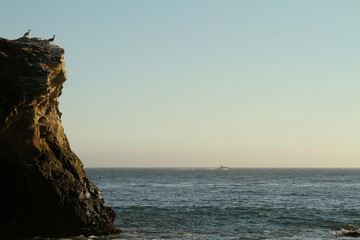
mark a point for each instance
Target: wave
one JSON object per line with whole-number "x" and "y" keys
{"x": 138, "y": 185}
{"x": 351, "y": 231}
{"x": 345, "y": 232}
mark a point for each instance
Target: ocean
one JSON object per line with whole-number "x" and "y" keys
{"x": 234, "y": 204}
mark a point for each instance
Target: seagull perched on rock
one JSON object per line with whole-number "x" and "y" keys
{"x": 52, "y": 39}
{"x": 27, "y": 33}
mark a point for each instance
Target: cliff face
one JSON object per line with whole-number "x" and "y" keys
{"x": 43, "y": 188}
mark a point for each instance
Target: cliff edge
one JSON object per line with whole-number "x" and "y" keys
{"x": 44, "y": 190}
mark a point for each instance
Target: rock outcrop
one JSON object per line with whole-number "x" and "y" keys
{"x": 44, "y": 190}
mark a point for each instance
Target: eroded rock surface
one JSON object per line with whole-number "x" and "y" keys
{"x": 44, "y": 190}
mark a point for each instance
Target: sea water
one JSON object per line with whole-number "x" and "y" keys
{"x": 234, "y": 204}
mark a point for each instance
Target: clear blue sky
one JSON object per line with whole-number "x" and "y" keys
{"x": 198, "y": 83}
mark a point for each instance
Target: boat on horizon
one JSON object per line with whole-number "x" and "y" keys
{"x": 223, "y": 168}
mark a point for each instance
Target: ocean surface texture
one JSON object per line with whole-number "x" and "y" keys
{"x": 234, "y": 204}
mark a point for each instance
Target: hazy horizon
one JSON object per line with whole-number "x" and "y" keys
{"x": 201, "y": 83}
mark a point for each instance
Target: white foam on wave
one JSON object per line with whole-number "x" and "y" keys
{"x": 346, "y": 232}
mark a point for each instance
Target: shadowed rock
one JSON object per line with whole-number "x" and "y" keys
{"x": 44, "y": 190}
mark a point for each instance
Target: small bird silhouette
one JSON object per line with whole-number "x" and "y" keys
{"x": 52, "y": 39}
{"x": 27, "y": 33}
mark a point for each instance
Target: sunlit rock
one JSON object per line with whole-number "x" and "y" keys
{"x": 44, "y": 189}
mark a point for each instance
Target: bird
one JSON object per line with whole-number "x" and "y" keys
{"x": 27, "y": 33}
{"x": 52, "y": 39}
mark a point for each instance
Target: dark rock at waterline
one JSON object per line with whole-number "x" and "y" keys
{"x": 352, "y": 234}
{"x": 44, "y": 190}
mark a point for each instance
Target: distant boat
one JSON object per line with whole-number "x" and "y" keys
{"x": 223, "y": 168}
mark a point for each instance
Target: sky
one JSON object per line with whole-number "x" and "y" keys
{"x": 193, "y": 83}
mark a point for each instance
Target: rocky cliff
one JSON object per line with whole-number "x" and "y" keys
{"x": 44, "y": 190}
